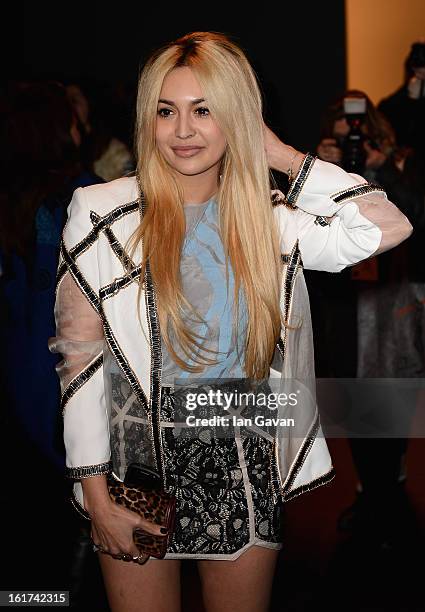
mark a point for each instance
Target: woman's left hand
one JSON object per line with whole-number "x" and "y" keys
{"x": 279, "y": 155}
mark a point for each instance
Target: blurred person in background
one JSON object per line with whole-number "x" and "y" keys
{"x": 384, "y": 299}
{"x": 102, "y": 151}
{"x": 405, "y": 108}
{"x": 40, "y": 169}
{"x": 336, "y": 295}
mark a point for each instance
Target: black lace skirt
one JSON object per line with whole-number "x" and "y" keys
{"x": 223, "y": 486}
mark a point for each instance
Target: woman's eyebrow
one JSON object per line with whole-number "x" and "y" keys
{"x": 171, "y": 103}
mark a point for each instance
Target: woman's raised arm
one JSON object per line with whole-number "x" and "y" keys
{"x": 341, "y": 218}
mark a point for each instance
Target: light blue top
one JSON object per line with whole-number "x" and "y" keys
{"x": 203, "y": 275}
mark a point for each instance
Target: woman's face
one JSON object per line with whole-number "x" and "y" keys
{"x": 186, "y": 134}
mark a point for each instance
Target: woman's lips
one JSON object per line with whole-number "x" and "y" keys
{"x": 187, "y": 152}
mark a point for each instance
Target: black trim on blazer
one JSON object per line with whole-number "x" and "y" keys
{"x": 115, "y": 214}
{"x": 109, "y": 335}
{"x": 99, "y": 224}
{"x": 293, "y": 261}
{"x": 119, "y": 283}
{"x": 355, "y": 192}
{"x": 302, "y": 454}
{"x": 293, "y": 264}
{"x": 80, "y": 280}
{"x": 299, "y": 180}
{"x": 76, "y": 251}
{"x": 77, "y": 382}
{"x": 286, "y": 259}
{"x": 317, "y": 482}
{"x": 322, "y": 221}
{"x": 281, "y": 347}
{"x": 70, "y": 264}
{"x": 118, "y": 249}
{"x": 60, "y": 272}
{"x": 85, "y": 471}
{"x": 124, "y": 365}
{"x": 156, "y": 362}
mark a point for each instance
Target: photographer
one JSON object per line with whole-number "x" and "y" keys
{"x": 357, "y": 137}
{"x": 369, "y": 296}
{"x": 370, "y": 151}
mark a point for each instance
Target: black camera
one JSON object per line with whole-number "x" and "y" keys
{"x": 353, "y": 151}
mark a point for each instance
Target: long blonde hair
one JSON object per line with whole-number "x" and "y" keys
{"x": 246, "y": 221}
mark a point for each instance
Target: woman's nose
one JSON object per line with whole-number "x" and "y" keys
{"x": 184, "y": 127}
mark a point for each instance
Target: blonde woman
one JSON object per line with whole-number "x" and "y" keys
{"x": 193, "y": 269}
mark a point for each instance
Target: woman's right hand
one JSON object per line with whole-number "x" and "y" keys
{"x": 113, "y": 526}
{"x": 329, "y": 151}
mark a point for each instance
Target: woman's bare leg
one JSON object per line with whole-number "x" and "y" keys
{"x": 152, "y": 587}
{"x": 244, "y": 584}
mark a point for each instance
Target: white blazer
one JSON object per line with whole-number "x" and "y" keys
{"x": 111, "y": 372}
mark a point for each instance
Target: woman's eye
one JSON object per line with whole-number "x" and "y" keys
{"x": 203, "y": 111}
{"x": 166, "y": 112}
{"x": 163, "y": 112}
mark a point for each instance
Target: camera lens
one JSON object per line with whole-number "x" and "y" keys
{"x": 353, "y": 152}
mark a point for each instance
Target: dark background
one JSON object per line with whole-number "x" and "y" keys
{"x": 298, "y": 52}
{"x": 297, "y": 49}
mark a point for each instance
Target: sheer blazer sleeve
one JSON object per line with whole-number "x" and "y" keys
{"x": 341, "y": 219}
{"x": 80, "y": 340}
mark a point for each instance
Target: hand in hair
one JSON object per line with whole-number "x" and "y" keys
{"x": 281, "y": 156}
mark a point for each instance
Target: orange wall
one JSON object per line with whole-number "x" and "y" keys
{"x": 379, "y": 36}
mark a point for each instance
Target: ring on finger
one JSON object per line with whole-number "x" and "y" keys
{"x": 98, "y": 548}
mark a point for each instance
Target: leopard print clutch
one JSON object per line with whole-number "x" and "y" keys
{"x": 156, "y": 506}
